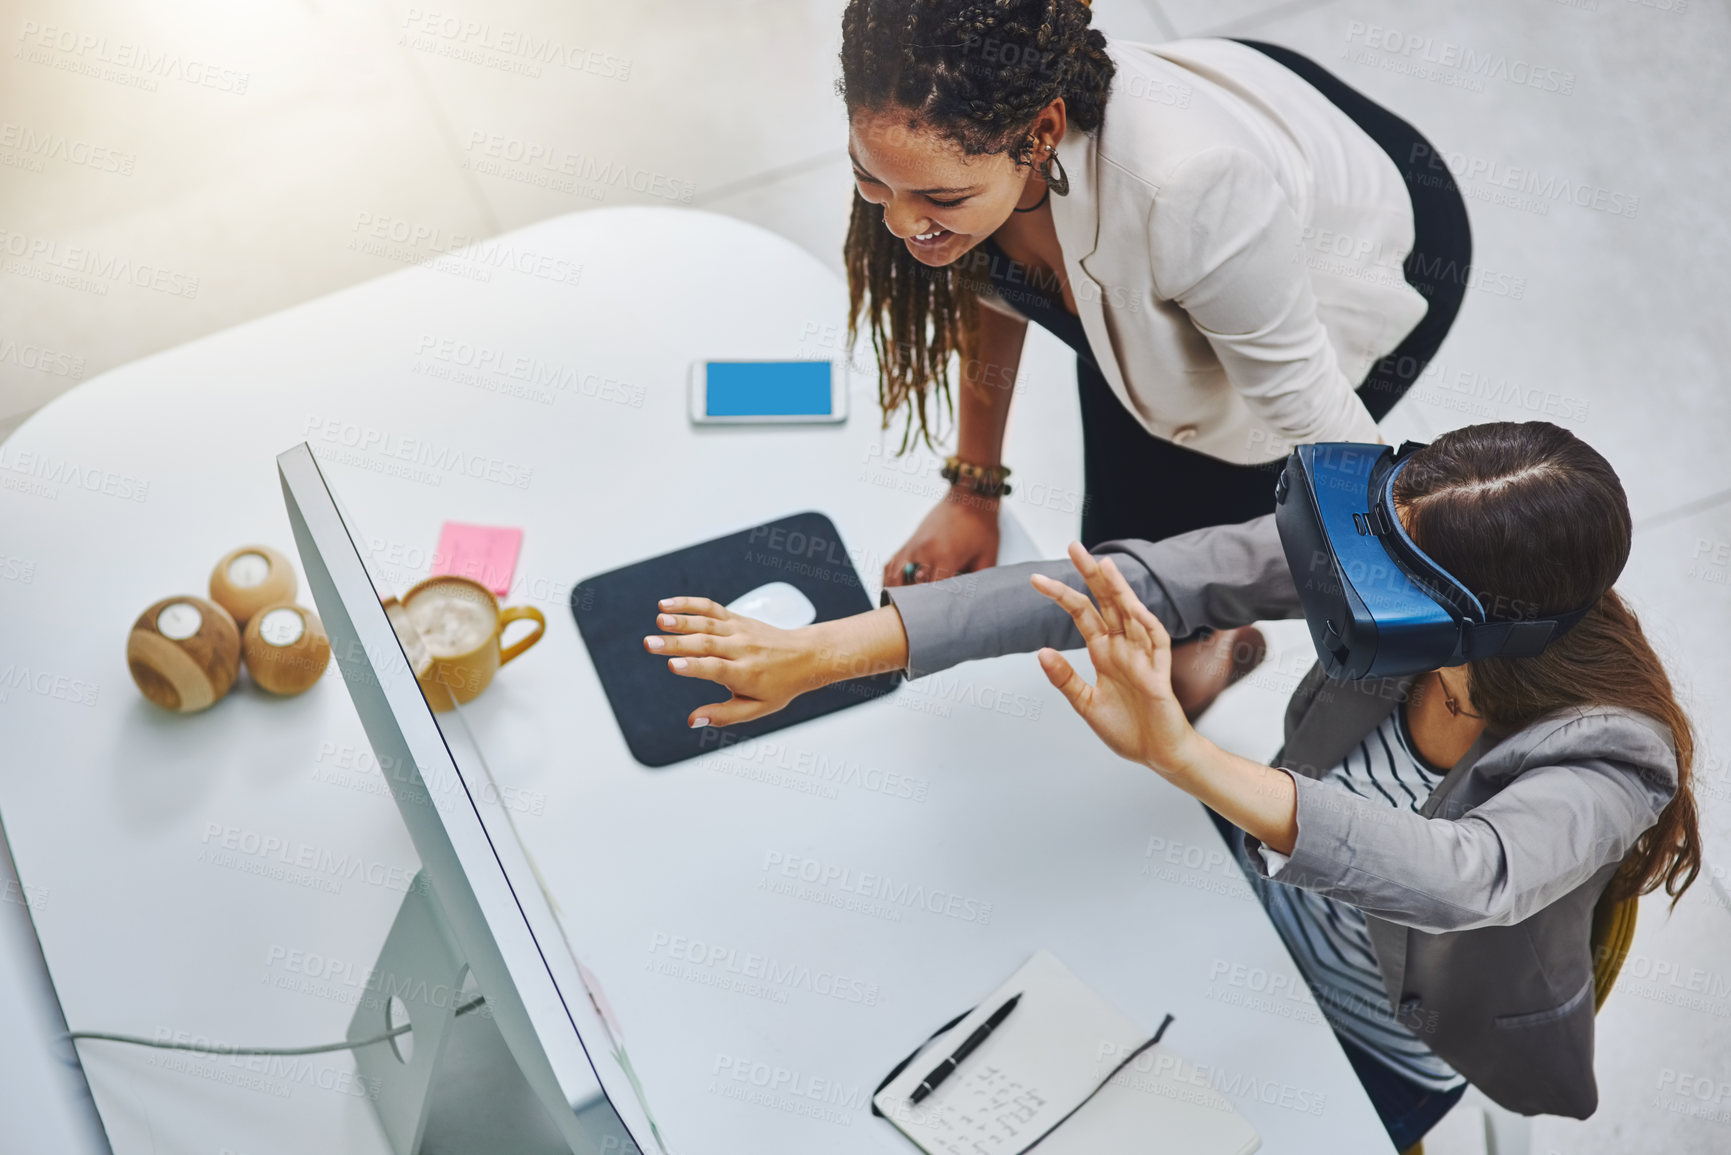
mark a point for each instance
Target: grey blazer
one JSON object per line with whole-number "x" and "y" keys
{"x": 1480, "y": 907}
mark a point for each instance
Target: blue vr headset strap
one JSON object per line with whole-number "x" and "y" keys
{"x": 1479, "y": 639}
{"x": 1419, "y": 566}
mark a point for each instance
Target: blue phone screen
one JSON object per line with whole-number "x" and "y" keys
{"x": 768, "y": 389}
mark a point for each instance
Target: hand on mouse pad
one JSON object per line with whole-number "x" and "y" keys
{"x": 773, "y": 580}
{"x": 764, "y": 667}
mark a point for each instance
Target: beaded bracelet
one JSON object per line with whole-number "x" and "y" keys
{"x": 984, "y": 480}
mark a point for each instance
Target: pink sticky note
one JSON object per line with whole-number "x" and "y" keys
{"x": 486, "y": 553}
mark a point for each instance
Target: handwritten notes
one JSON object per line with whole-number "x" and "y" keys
{"x": 986, "y": 1111}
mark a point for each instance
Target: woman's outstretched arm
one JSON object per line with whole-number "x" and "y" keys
{"x": 1222, "y": 576}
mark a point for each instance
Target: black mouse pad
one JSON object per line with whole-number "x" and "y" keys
{"x": 616, "y": 610}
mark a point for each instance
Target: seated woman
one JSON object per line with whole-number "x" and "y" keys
{"x": 1431, "y": 847}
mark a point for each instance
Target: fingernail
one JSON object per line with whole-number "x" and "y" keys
{"x": 676, "y": 663}
{"x": 699, "y": 722}
{"x": 664, "y": 602}
{"x": 654, "y": 643}
{"x": 664, "y": 620}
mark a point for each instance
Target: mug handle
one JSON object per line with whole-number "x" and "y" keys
{"x": 518, "y": 614}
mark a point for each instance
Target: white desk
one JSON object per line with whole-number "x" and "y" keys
{"x": 232, "y": 874}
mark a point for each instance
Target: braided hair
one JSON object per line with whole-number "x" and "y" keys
{"x": 977, "y": 72}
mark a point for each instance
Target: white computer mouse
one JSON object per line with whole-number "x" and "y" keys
{"x": 776, "y": 603}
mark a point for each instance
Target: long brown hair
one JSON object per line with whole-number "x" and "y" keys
{"x": 1534, "y": 521}
{"x": 978, "y": 72}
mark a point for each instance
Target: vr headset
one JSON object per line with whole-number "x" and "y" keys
{"x": 1377, "y": 605}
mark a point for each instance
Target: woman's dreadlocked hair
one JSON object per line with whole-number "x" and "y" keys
{"x": 977, "y": 72}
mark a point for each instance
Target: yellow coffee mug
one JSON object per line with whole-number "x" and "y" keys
{"x": 460, "y": 626}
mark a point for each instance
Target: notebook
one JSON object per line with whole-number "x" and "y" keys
{"x": 1055, "y": 1073}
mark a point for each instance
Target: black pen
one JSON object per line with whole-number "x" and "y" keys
{"x": 943, "y": 1069}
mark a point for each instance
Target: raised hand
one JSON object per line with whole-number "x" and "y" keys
{"x": 1131, "y": 705}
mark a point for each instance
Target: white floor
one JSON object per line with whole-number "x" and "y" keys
{"x": 323, "y": 142}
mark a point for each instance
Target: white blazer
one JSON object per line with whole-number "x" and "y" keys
{"x": 1234, "y": 243}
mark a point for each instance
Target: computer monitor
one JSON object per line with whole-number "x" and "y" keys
{"x": 483, "y": 897}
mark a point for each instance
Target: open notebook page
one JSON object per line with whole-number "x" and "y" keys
{"x": 1057, "y": 1047}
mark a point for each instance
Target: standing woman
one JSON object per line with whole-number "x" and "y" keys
{"x": 1237, "y": 245}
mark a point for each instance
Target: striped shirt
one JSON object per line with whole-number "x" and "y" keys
{"x": 1328, "y": 938}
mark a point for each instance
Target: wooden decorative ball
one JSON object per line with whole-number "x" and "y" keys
{"x": 285, "y": 648}
{"x": 184, "y": 653}
{"x": 250, "y": 578}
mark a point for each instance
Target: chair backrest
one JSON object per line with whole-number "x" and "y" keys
{"x": 1612, "y": 934}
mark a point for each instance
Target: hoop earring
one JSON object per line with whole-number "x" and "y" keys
{"x": 1059, "y": 184}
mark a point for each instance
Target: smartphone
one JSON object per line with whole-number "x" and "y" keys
{"x": 774, "y": 392}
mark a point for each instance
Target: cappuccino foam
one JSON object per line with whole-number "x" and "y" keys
{"x": 452, "y": 621}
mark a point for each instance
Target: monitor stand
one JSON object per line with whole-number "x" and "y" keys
{"x": 450, "y": 1085}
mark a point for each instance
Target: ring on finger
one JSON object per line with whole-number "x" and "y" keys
{"x": 910, "y": 571}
